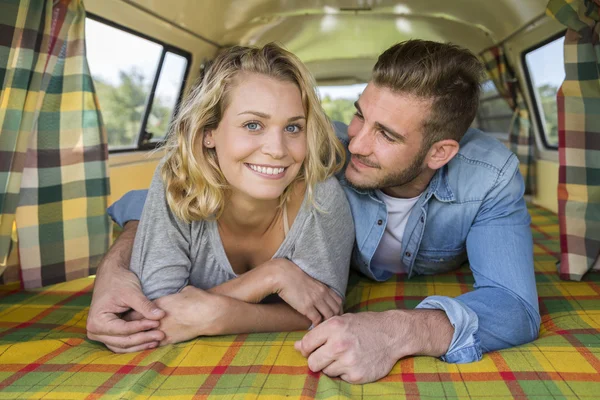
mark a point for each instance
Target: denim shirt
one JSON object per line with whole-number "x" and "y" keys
{"x": 473, "y": 206}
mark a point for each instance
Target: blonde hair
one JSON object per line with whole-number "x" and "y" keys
{"x": 195, "y": 186}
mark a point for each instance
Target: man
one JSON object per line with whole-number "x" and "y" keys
{"x": 425, "y": 191}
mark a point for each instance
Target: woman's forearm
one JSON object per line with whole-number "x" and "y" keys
{"x": 303, "y": 293}
{"x": 194, "y": 312}
{"x": 252, "y": 286}
{"x": 242, "y": 317}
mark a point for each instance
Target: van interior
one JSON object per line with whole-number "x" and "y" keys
{"x": 143, "y": 55}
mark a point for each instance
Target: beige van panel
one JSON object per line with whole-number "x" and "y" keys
{"x": 131, "y": 171}
{"x": 320, "y": 32}
{"x": 547, "y": 184}
{"x": 254, "y": 21}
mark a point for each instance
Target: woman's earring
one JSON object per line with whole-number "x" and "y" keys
{"x": 207, "y": 142}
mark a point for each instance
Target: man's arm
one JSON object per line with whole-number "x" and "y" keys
{"x": 364, "y": 347}
{"x": 117, "y": 290}
{"x": 503, "y": 310}
{"x": 129, "y": 207}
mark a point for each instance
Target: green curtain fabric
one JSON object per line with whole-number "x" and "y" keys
{"x": 578, "y": 102}
{"x": 521, "y": 138}
{"x": 53, "y": 149}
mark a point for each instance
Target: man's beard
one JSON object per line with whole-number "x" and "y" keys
{"x": 395, "y": 179}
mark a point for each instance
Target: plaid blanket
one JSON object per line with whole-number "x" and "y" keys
{"x": 44, "y": 352}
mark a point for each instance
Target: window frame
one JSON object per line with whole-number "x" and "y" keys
{"x": 541, "y": 125}
{"x": 502, "y": 136}
{"x": 142, "y": 144}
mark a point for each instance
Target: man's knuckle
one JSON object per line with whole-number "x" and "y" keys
{"x": 341, "y": 346}
{"x": 337, "y": 322}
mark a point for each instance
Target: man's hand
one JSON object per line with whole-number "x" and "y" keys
{"x": 190, "y": 313}
{"x": 364, "y": 347}
{"x": 305, "y": 294}
{"x": 116, "y": 291}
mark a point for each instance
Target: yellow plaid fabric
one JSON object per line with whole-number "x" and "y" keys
{"x": 53, "y": 148}
{"x": 44, "y": 352}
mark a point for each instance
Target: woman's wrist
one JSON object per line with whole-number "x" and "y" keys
{"x": 276, "y": 274}
{"x": 205, "y": 312}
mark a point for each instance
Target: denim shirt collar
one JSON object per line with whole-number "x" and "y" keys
{"x": 439, "y": 187}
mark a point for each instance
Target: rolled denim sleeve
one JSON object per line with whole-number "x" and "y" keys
{"x": 465, "y": 346}
{"x": 129, "y": 207}
{"x": 503, "y": 309}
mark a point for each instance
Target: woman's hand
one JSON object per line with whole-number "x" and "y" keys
{"x": 306, "y": 295}
{"x": 190, "y": 313}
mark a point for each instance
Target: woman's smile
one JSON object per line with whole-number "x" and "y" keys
{"x": 267, "y": 171}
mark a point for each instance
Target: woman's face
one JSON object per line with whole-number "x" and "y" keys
{"x": 261, "y": 139}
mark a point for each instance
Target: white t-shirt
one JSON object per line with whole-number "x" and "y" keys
{"x": 388, "y": 255}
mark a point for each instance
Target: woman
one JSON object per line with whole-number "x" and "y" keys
{"x": 245, "y": 204}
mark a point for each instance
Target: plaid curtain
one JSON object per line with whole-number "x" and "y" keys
{"x": 578, "y": 101}
{"x": 53, "y": 148}
{"x": 521, "y": 138}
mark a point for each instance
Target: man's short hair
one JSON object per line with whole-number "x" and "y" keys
{"x": 446, "y": 74}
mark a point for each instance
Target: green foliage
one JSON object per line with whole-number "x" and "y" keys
{"x": 338, "y": 109}
{"x": 547, "y": 95}
{"x": 122, "y": 107}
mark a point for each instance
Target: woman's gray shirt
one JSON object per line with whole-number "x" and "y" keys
{"x": 169, "y": 254}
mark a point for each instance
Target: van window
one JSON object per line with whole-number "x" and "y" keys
{"x": 493, "y": 115}
{"x": 545, "y": 72}
{"x": 138, "y": 82}
{"x": 166, "y": 96}
{"x": 338, "y": 101}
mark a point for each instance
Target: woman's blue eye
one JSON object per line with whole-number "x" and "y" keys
{"x": 252, "y": 126}
{"x": 292, "y": 128}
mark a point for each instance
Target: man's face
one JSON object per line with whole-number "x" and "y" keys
{"x": 386, "y": 140}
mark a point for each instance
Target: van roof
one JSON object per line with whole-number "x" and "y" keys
{"x": 344, "y": 37}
